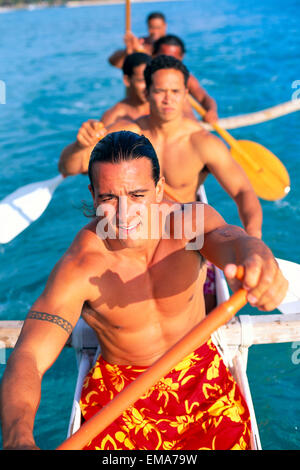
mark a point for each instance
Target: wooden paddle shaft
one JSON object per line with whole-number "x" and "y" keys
{"x": 190, "y": 342}
{"x": 128, "y": 15}
{"x": 226, "y": 136}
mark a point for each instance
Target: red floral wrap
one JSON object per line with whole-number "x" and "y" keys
{"x": 197, "y": 406}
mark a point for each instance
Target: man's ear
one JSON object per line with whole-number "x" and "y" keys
{"x": 160, "y": 189}
{"x": 126, "y": 80}
{"x": 91, "y": 190}
{"x": 92, "y": 193}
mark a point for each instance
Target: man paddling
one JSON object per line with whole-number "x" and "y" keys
{"x": 135, "y": 104}
{"x": 157, "y": 27}
{"x": 184, "y": 149}
{"x": 141, "y": 285}
{"x": 172, "y": 45}
{"x": 186, "y": 152}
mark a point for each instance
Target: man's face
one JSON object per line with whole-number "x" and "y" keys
{"x": 156, "y": 28}
{"x": 168, "y": 49}
{"x": 167, "y": 94}
{"x": 123, "y": 193}
{"x": 137, "y": 82}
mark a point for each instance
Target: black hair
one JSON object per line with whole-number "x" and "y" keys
{"x": 155, "y": 15}
{"x": 134, "y": 60}
{"x": 124, "y": 146}
{"x": 170, "y": 40}
{"x": 164, "y": 62}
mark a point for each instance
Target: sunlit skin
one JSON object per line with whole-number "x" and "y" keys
{"x": 183, "y": 147}
{"x": 135, "y": 104}
{"x": 167, "y": 95}
{"x": 139, "y": 299}
{"x": 136, "y": 84}
{"x": 124, "y": 198}
{"x": 170, "y": 49}
{"x": 194, "y": 87}
{"x": 156, "y": 28}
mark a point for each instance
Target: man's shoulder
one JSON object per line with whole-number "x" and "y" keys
{"x": 185, "y": 222}
{"x": 143, "y": 123}
{"x": 125, "y": 111}
{"x": 121, "y": 106}
{"x": 205, "y": 142}
{"x": 86, "y": 248}
{"x": 193, "y": 83}
{"x": 194, "y": 130}
{"x": 125, "y": 124}
{"x": 115, "y": 112}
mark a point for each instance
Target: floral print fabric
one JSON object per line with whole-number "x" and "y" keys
{"x": 196, "y": 406}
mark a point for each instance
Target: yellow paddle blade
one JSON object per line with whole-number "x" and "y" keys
{"x": 268, "y": 175}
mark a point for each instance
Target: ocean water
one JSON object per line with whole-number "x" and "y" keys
{"x": 54, "y": 65}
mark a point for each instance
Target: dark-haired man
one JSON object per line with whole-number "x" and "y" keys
{"x": 143, "y": 292}
{"x": 132, "y": 107}
{"x": 157, "y": 27}
{"x": 135, "y": 104}
{"x": 184, "y": 149}
{"x": 172, "y": 45}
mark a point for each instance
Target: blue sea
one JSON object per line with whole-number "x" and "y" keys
{"x": 54, "y": 65}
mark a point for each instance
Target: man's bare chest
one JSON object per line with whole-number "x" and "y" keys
{"x": 130, "y": 288}
{"x": 180, "y": 162}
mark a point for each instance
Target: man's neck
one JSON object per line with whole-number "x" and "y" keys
{"x": 135, "y": 101}
{"x": 144, "y": 253}
{"x": 165, "y": 128}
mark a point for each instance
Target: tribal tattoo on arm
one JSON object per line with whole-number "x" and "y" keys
{"x": 57, "y": 320}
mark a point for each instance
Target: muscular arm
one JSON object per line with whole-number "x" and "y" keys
{"x": 208, "y": 103}
{"x": 117, "y": 58}
{"x": 45, "y": 331}
{"x": 228, "y": 246}
{"x": 116, "y": 113}
{"x": 75, "y": 158}
{"x": 132, "y": 43}
{"x": 215, "y": 155}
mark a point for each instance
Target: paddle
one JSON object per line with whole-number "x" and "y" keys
{"x": 128, "y": 15}
{"x": 265, "y": 171}
{"x": 24, "y": 206}
{"x": 191, "y": 341}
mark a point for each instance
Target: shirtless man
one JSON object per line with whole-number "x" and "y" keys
{"x": 174, "y": 46}
{"x": 184, "y": 149}
{"x": 139, "y": 304}
{"x": 157, "y": 27}
{"x": 135, "y": 104}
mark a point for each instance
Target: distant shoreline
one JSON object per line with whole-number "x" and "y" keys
{"x": 73, "y": 4}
